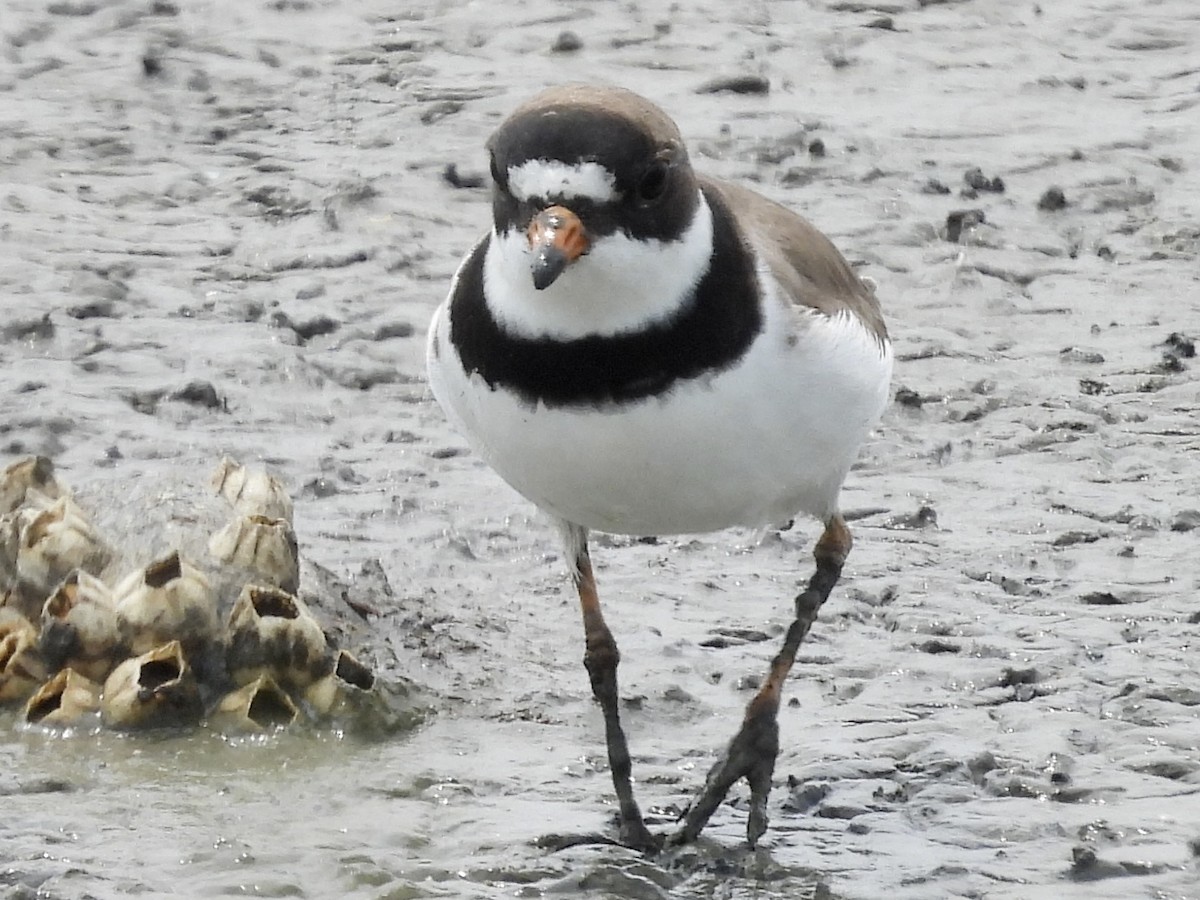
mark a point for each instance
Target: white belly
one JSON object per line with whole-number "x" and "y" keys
{"x": 771, "y": 437}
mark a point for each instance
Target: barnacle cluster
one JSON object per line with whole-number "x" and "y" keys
{"x": 82, "y": 642}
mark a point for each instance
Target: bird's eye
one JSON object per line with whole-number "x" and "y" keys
{"x": 653, "y": 183}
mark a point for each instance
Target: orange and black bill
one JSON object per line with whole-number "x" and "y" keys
{"x": 556, "y": 238}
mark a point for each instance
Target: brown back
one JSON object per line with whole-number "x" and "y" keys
{"x": 805, "y": 263}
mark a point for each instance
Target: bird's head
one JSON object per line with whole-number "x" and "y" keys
{"x": 577, "y": 164}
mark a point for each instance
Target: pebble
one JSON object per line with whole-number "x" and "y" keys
{"x": 1079, "y": 355}
{"x": 200, "y": 393}
{"x": 961, "y": 220}
{"x": 566, "y": 42}
{"x": 976, "y": 180}
{"x": 735, "y": 84}
{"x": 1052, "y": 200}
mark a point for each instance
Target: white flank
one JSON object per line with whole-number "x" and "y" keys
{"x": 544, "y": 178}
{"x": 622, "y": 284}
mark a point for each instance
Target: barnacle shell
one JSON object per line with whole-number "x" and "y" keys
{"x": 272, "y": 632}
{"x": 33, "y": 472}
{"x": 265, "y": 546}
{"x": 65, "y": 699}
{"x": 80, "y": 629}
{"x": 152, "y": 690}
{"x": 347, "y": 686}
{"x": 168, "y": 600}
{"x": 22, "y": 669}
{"x": 252, "y": 492}
{"x": 54, "y": 541}
{"x": 261, "y": 705}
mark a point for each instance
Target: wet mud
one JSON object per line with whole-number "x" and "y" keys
{"x": 223, "y": 228}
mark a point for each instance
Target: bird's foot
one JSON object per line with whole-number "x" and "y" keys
{"x": 750, "y": 755}
{"x": 632, "y": 834}
{"x": 635, "y": 835}
{"x": 556, "y": 841}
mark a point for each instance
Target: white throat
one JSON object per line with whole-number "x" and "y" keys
{"x": 623, "y": 284}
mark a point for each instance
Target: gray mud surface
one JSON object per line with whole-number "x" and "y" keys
{"x": 223, "y": 228}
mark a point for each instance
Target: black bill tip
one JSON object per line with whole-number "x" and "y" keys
{"x": 548, "y": 263}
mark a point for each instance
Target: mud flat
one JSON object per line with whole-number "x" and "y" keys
{"x": 223, "y": 227}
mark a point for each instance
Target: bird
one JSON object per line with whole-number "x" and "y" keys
{"x": 640, "y": 349}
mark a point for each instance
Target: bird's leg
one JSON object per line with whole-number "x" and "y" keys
{"x": 751, "y": 754}
{"x": 601, "y": 660}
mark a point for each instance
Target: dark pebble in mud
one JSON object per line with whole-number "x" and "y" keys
{"x": 1052, "y": 200}
{"x": 960, "y": 220}
{"x": 1091, "y": 387}
{"x": 816, "y": 148}
{"x": 277, "y": 202}
{"x": 1170, "y": 364}
{"x": 145, "y": 402}
{"x": 933, "y": 186}
{"x": 909, "y": 398}
{"x": 937, "y": 646}
{"x": 306, "y": 331}
{"x": 97, "y": 309}
{"x": 1085, "y": 865}
{"x": 566, "y": 42}
{"x": 393, "y": 330}
{"x": 200, "y": 393}
{"x": 1187, "y": 520}
{"x": 247, "y": 311}
{"x": 152, "y": 63}
{"x": 1071, "y": 538}
{"x": 733, "y": 637}
{"x": 1180, "y": 345}
{"x": 804, "y": 795}
{"x": 320, "y": 487}
{"x": 924, "y": 517}
{"x": 976, "y": 180}
{"x": 456, "y": 179}
{"x": 841, "y": 811}
{"x": 735, "y": 84}
{"x": 1101, "y": 598}
{"x": 1011, "y": 677}
{"x": 35, "y": 786}
{"x": 1078, "y": 355}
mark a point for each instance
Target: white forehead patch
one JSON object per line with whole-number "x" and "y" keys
{"x": 553, "y": 178}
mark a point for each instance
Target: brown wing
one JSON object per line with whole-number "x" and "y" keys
{"x": 806, "y": 263}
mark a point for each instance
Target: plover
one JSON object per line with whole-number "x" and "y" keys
{"x": 642, "y": 350}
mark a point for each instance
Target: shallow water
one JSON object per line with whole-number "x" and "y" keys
{"x": 252, "y": 196}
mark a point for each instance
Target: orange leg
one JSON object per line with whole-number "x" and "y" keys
{"x": 752, "y": 752}
{"x": 601, "y": 659}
